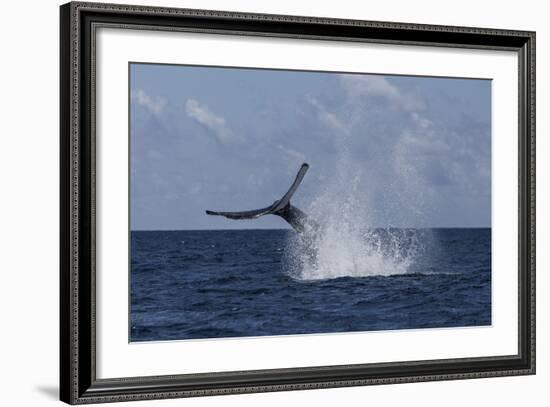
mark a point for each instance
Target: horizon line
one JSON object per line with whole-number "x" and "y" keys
{"x": 256, "y": 229}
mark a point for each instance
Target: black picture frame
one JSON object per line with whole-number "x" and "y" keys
{"x": 78, "y": 382}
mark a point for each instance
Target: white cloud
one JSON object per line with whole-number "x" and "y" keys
{"x": 216, "y": 124}
{"x": 325, "y": 116}
{"x": 389, "y": 133}
{"x": 292, "y": 153}
{"x": 378, "y": 86}
{"x": 153, "y": 104}
{"x": 422, "y": 122}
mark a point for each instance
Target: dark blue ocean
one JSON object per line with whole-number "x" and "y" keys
{"x": 234, "y": 283}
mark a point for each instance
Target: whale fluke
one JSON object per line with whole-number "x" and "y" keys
{"x": 285, "y": 200}
{"x": 294, "y": 216}
{"x": 252, "y": 214}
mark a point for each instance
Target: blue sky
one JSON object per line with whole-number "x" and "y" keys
{"x": 417, "y": 148}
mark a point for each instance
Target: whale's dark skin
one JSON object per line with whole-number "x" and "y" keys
{"x": 296, "y": 218}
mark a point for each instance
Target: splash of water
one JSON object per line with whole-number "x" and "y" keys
{"x": 344, "y": 245}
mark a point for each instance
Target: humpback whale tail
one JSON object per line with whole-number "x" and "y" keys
{"x": 294, "y": 216}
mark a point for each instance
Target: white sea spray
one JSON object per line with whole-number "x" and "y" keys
{"x": 346, "y": 244}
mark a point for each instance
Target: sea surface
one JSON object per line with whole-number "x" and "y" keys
{"x": 236, "y": 283}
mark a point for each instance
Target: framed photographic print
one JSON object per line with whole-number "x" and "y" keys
{"x": 256, "y": 203}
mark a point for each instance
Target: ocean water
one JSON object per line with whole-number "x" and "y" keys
{"x": 236, "y": 283}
